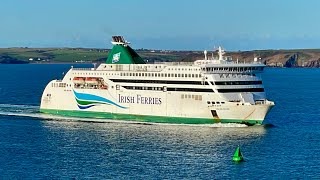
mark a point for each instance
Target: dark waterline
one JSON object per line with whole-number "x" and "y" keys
{"x": 33, "y": 146}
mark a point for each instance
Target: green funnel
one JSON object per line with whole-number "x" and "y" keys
{"x": 237, "y": 156}
{"x": 122, "y": 53}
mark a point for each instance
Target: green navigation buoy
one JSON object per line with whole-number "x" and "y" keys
{"x": 237, "y": 156}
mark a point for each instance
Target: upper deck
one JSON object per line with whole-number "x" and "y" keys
{"x": 185, "y": 67}
{"x": 122, "y": 58}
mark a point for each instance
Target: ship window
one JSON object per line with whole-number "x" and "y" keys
{"x": 168, "y": 75}
{"x": 182, "y": 96}
{"x": 189, "y": 75}
{"x": 208, "y": 102}
{"x": 175, "y": 75}
{"x": 182, "y": 75}
{"x": 193, "y": 75}
{"x": 165, "y": 75}
{"x": 178, "y": 75}
{"x": 222, "y": 102}
{"x": 172, "y": 75}
{"x": 200, "y": 97}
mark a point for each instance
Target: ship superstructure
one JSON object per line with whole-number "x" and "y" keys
{"x": 126, "y": 88}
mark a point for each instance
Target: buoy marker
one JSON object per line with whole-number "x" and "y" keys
{"x": 237, "y": 156}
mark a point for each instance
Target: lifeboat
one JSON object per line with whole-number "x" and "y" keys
{"x": 92, "y": 80}
{"x": 78, "y": 80}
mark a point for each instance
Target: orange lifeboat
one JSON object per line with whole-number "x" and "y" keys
{"x": 92, "y": 80}
{"x": 78, "y": 80}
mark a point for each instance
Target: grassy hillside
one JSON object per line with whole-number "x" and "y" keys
{"x": 54, "y": 55}
{"x": 283, "y": 58}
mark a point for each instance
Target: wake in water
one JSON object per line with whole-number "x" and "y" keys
{"x": 33, "y": 111}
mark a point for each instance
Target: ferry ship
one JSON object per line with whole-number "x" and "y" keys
{"x": 211, "y": 90}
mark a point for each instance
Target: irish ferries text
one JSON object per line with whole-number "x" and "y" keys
{"x": 139, "y": 99}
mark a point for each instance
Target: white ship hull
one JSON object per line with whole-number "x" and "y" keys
{"x": 126, "y": 88}
{"x": 154, "y": 106}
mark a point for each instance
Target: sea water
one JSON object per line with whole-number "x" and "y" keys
{"x": 34, "y": 145}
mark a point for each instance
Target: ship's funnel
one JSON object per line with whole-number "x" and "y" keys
{"x": 122, "y": 53}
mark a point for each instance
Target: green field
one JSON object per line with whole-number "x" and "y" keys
{"x": 67, "y": 55}
{"x": 283, "y": 58}
{"x": 57, "y": 55}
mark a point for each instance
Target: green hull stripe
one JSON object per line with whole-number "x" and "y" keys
{"x": 144, "y": 118}
{"x": 84, "y": 103}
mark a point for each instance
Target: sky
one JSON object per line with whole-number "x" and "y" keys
{"x": 162, "y": 24}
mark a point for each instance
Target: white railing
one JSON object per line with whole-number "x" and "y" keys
{"x": 83, "y": 69}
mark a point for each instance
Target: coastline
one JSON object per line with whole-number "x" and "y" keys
{"x": 305, "y": 58}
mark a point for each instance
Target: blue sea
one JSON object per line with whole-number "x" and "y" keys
{"x": 37, "y": 146}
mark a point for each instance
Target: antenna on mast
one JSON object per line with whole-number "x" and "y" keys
{"x": 221, "y": 53}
